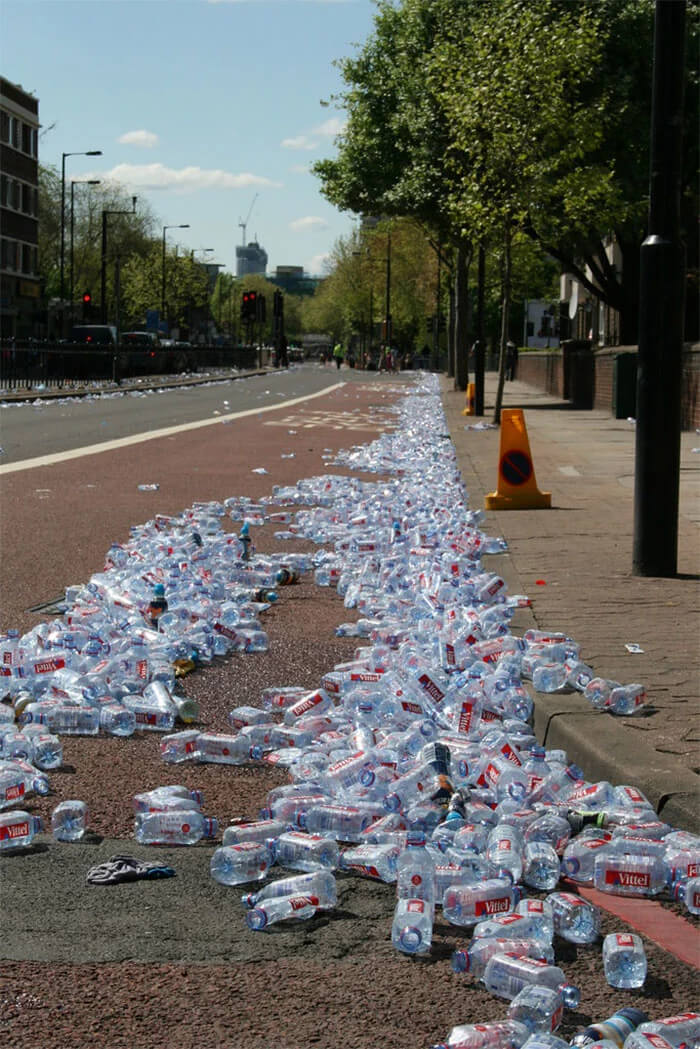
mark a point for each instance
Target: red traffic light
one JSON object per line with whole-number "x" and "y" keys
{"x": 87, "y": 298}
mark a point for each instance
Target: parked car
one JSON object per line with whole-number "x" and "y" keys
{"x": 94, "y": 334}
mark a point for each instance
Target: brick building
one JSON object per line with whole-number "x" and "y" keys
{"x": 19, "y": 208}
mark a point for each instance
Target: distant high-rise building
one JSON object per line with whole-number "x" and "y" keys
{"x": 19, "y": 210}
{"x": 294, "y": 280}
{"x": 250, "y": 258}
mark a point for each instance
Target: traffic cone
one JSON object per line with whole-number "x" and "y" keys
{"x": 517, "y": 488}
{"x": 470, "y": 403}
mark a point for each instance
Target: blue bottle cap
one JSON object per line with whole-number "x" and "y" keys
{"x": 159, "y": 590}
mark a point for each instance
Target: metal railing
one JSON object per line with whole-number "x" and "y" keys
{"x": 27, "y": 365}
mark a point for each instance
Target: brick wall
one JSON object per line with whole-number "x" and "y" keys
{"x": 544, "y": 370}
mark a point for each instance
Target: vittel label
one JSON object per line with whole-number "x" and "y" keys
{"x": 14, "y": 830}
{"x": 557, "y": 1017}
{"x": 145, "y": 719}
{"x": 623, "y": 939}
{"x": 411, "y": 708}
{"x": 297, "y": 902}
{"x": 630, "y": 879}
{"x": 47, "y": 666}
{"x": 573, "y": 901}
{"x": 656, "y": 1039}
{"x": 671, "y": 1021}
{"x": 429, "y": 686}
{"x": 489, "y": 907}
{"x": 340, "y": 765}
{"x": 14, "y": 792}
{"x": 415, "y": 906}
{"x": 450, "y": 654}
{"x": 365, "y": 676}
{"x": 225, "y": 631}
{"x": 307, "y": 704}
{"x": 534, "y": 907}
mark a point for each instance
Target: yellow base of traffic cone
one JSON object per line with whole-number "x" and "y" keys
{"x": 470, "y": 406}
{"x": 517, "y": 488}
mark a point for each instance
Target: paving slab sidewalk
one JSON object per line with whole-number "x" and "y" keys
{"x": 575, "y": 563}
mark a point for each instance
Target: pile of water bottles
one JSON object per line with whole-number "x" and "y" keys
{"x": 413, "y": 763}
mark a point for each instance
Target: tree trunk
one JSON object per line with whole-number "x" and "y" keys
{"x": 451, "y": 332}
{"x": 462, "y": 315}
{"x": 505, "y": 308}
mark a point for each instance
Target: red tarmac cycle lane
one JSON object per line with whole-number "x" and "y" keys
{"x": 57, "y": 522}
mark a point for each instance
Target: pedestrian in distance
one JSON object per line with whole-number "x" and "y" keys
{"x": 338, "y": 355}
{"x": 511, "y": 360}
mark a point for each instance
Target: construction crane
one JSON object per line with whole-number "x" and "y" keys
{"x": 244, "y": 225}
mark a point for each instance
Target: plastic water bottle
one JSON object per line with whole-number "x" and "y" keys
{"x": 304, "y": 852}
{"x": 539, "y": 913}
{"x": 469, "y": 904}
{"x": 319, "y": 883}
{"x": 615, "y": 1029}
{"x": 161, "y": 799}
{"x": 579, "y": 857}
{"x": 415, "y": 871}
{"x": 575, "y": 919}
{"x": 221, "y": 749}
{"x": 17, "y": 829}
{"x": 66, "y": 719}
{"x": 117, "y": 720}
{"x": 474, "y": 958}
{"x": 627, "y": 699}
{"x": 149, "y": 715}
{"x": 517, "y": 926}
{"x": 47, "y": 749}
{"x": 343, "y": 822}
{"x": 648, "y": 1040}
{"x": 412, "y": 927}
{"x": 374, "y": 861}
{"x": 504, "y": 849}
{"x": 277, "y": 909}
{"x": 179, "y": 746}
{"x": 503, "y": 1034}
{"x": 688, "y": 892}
{"x": 258, "y": 830}
{"x": 549, "y": 677}
{"x": 629, "y": 875}
{"x": 69, "y": 820}
{"x": 238, "y": 864}
{"x": 180, "y": 827}
{"x": 506, "y": 976}
{"x": 539, "y": 1008}
{"x": 624, "y": 960}
{"x": 683, "y": 1029}
{"x": 541, "y": 868}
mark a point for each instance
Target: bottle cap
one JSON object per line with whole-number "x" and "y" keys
{"x": 570, "y": 995}
{"x": 159, "y": 590}
{"x": 256, "y": 918}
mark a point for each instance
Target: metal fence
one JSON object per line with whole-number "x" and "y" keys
{"x": 26, "y": 365}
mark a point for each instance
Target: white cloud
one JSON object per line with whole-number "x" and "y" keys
{"x": 331, "y": 127}
{"x": 299, "y": 142}
{"x": 309, "y": 224}
{"x": 158, "y": 176}
{"x": 319, "y": 265}
{"x": 142, "y": 139}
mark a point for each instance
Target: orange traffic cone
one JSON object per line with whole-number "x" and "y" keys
{"x": 470, "y": 403}
{"x": 517, "y": 488}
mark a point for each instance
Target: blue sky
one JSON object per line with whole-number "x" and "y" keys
{"x": 197, "y": 106}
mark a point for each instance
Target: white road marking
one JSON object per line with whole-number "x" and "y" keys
{"x": 151, "y": 435}
{"x": 570, "y": 471}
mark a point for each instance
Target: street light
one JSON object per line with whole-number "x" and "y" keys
{"x": 103, "y": 274}
{"x": 76, "y": 182}
{"x": 185, "y": 225}
{"x": 89, "y": 153}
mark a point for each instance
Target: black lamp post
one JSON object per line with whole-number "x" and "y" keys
{"x": 76, "y": 182}
{"x": 185, "y": 225}
{"x": 89, "y": 153}
{"x": 103, "y": 274}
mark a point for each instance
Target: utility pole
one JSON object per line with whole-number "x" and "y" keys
{"x": 661, "y": 296}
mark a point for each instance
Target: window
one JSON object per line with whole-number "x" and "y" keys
{"x": 26, "y": 138}
{"x": 26, "y": 258}
{"x": 4, "y": 126}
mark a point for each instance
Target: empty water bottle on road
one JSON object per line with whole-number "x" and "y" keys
{"x": 181, "y": 827}
{"x": 279, "y": 908}
{"x": 575, "y": 919}
{"x": 539, "y": 1008}
{"x": 304, "y": 852}
{"x": 624, "y": 960}
{"x": 412, "y": 928}
{"x": 17, "y": 829}
{"x": 502, "y": 1034}
{"x": 321, "y": 884}
{"x": 237, "y": 864}
{"x": 506, "y": 976}
{"x": 69, "y": 820}
{"x": 615, "y": 1029}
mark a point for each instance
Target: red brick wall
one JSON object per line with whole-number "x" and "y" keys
{"x": 543, "y": 369}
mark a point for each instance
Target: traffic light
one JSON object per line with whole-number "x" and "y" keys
{"x": 249, "y": 305}
{"x": 260, "y": 310}
{"x": 87, "y": 301}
